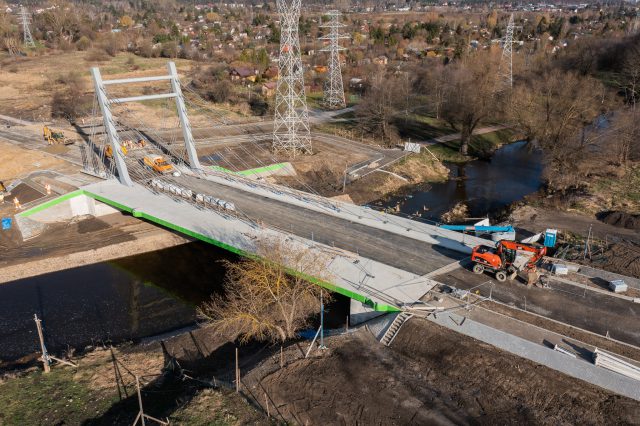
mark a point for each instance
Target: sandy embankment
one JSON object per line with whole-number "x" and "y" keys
{"x": 143, "y": 244}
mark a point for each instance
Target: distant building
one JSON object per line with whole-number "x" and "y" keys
{"x": 268, "y": 89}
{"x": 381, "y": 60}
{"x": 243, "y": 74}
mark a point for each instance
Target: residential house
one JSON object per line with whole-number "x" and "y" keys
{"x": 268, "y": 89}
{"x": 244, "y": 74}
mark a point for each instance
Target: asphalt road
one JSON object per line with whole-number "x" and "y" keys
{"x": 596, "y": 312}
{"x": 392, "y": 249}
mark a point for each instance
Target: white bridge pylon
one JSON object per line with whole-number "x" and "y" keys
{"x": 110, "y": 128}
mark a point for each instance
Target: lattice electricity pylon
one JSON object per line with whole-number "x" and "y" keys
{"x": 110, "y": 125}
{"x": 25, "y": 19}
{"x": 291, "y": 122}
{"x": 333, "y": 87}
{"x": 505, "y": 72}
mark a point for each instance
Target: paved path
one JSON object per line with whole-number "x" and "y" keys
{"x": 14, "y": 120}
{"x": 456, "y": 136}
{"x": 536, "y": 352}
{"x": 589, "y": 310}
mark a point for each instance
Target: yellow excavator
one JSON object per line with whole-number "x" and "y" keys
{"x": 109, "y": 151}
{"x": 55, "y": 137}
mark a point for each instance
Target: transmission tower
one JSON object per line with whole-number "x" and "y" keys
{"x": 333, "y": 88}
{"x": 26, "y": 18}
{"x": 291, "y": 122}
{"x": 505, "y": 72}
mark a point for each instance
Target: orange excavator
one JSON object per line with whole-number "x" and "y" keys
{"x": 507, "y": 259}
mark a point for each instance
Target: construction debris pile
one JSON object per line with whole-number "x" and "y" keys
{"x": 621, "y": 219}
{"x": 621, "y": 257}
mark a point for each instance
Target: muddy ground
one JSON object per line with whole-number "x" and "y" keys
{"x": 433, "y": 376}
{"x": 74, "y": 243}
{"x": 429, "y": 375}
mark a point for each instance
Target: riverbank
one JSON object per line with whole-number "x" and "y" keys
{"x": 83, "y": 242}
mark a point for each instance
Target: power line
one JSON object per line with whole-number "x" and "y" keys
{"x": 333, "y": 86}
{"x": 291, "y": 134}
{"x": 505, "y": 72}
{"x": 26, "y": 18}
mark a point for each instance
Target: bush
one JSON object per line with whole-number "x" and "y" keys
{"x": 220, "y": 91}
{"x": 97, "y": 55}
{"x": 71, "y": 101}
{"x": 83, "y": 44}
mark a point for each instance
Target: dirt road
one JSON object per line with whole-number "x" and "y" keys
{"x": 433, "y": 376}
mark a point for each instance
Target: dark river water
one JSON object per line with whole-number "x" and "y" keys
{"x": 152, "y": 293}
{"x": 129, "y": 298}
{"x": 485, "y": 186}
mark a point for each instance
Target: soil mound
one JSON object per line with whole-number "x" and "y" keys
{"x": 620, "y": 219}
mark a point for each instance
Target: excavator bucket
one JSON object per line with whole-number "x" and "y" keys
{"x": 532, "y": 277}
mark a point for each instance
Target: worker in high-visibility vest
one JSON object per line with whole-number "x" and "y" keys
{"x": 16, "y": 203}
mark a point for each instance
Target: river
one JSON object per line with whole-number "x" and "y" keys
{"x": 129, "y": 298}
{"x": 111, "y": 302}
{"x": 485, "y": 186}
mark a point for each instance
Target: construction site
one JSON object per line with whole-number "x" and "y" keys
{"x": 118, "y": 228}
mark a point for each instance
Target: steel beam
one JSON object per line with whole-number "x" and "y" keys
{"x": 142, "y": 98}
{"x": 136, "y": 80}
{"x": 110, "y": 128}
{"x": 184, "y": 118}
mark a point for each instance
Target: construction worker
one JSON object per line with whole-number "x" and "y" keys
{"x": 47, "y": 187}
{"x": 16, "y": 203}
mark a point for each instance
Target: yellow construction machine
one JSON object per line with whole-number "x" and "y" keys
{"x": 55, "y": 137}
{"x": 109, "y": 151}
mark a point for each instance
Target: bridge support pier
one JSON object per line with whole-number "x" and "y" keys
{"x": 184, "y": 118}
{"x": 110, "y": 128}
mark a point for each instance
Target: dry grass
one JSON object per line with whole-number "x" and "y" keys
{"x": 17, "y": 162}
{"x": 39, "y": 76}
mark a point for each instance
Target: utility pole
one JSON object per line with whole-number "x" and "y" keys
{"x": 291, "y": 134}
{"x": 322, "y": 346}
{"x": 333, "y": 86}
{"x": 46, "y": 361}
{"x": 25, "y": 19}
{"x": 505, "y": 72}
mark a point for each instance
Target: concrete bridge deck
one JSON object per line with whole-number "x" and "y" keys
{"x": 380, "y": 265}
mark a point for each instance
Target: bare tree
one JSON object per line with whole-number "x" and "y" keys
{"x": 560, "y": 110}
{"x": 262, "y": 299}
{"x": 625, "y": 131}
{"x": 431, "y": 82}
{"x": 382, "y": 101}
{"x": 629, "y": 77}
{"x": 469, "y": 98}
